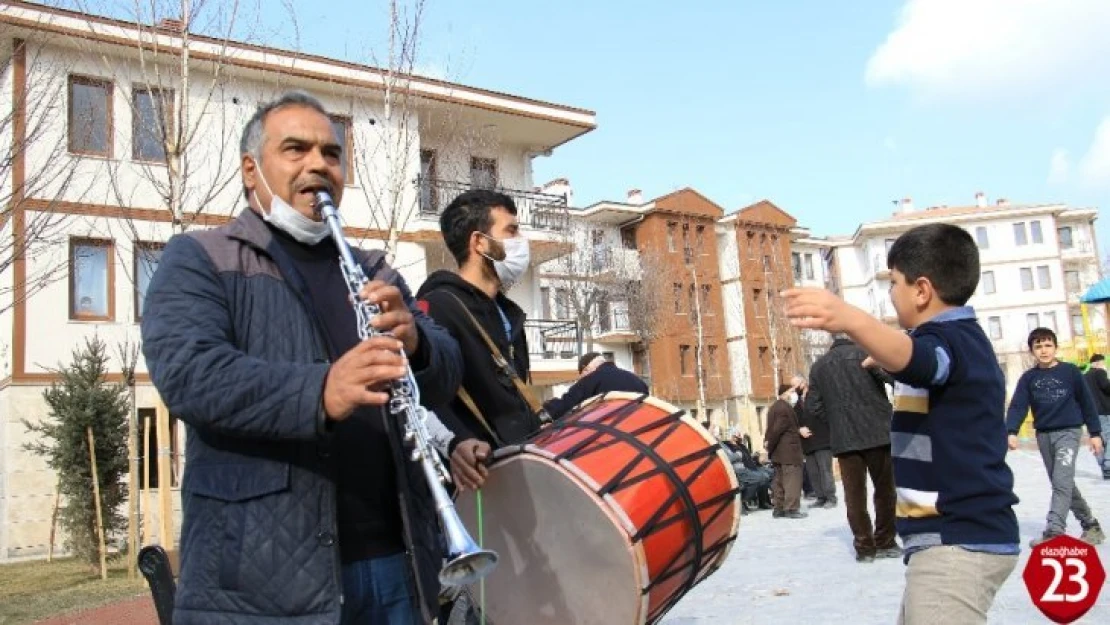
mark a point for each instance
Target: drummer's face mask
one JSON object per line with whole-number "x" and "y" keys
{"x": 515, "y": 257}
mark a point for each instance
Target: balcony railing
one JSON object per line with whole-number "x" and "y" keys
{"x": 553, "y": 339}
{"x": 542, "y": 211}
{"x": 615, "y": 321}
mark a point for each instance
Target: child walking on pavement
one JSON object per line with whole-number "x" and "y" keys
{"x": 955, "y": 492}
{"x": 1061, "y": 404}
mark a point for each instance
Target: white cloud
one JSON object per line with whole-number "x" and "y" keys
{"x": 1094, "y": 167}
{"x": 1059, "y": 167}
{"x": 977, "y": 47}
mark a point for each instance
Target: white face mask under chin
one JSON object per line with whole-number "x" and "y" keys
{"x": 517, "y": 258}
{"x": 289, "y": 220}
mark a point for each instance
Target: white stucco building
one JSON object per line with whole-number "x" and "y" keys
{"x": 1036, "y": 261}
{"x": 86, "y": 98}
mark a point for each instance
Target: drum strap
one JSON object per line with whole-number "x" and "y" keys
{"x": 469, "y": 402}
{"x": 502, "y": 364}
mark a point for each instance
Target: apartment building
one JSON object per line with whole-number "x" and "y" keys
{"x": 661, "y": 316}
{"x": 1036, "y": 261}
{"x": 93, "y": 103}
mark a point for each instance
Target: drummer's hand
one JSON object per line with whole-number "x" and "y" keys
{"x": 468, "y": 467}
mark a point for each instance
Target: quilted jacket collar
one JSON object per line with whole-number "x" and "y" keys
{"x": 249, "y": 228}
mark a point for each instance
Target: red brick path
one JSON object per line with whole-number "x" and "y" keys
{"x": 136, "y": 611}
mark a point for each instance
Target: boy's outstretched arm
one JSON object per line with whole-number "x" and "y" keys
{"x": 820, "y": 309}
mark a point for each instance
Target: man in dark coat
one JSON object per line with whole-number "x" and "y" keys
{"x": 300, "y": 503}
{"x": 596, "y": 376}
{"x": 1100, "y": 389}
{"x": 853, "y": 401}
{"x": 784, "y": 447}
{"x": 817, "y": 449}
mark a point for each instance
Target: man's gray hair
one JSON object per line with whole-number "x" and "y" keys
{"x": 251, "y": 141}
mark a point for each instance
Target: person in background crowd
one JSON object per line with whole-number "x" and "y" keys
{"x": 852, "y": 400}
{"x": 817, "y": 449}
{"x": 1100, "y": 389}
{"x": 784, "y": 448}
{"x": 596, "y": 376}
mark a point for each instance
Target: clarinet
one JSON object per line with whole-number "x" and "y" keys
{"x": 466, "y": 561}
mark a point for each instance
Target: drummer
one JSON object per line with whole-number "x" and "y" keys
{"x": 494, "y": 405}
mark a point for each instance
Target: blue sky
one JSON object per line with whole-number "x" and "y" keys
{"x": 832, "y": 110}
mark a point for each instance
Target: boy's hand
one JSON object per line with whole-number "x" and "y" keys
{"x": 1096, "y": 445}
{"x": 1013, "y": 442}
{"x": 817, "y": 309}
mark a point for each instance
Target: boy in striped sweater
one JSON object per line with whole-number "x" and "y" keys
{"x": 948, "y": 435}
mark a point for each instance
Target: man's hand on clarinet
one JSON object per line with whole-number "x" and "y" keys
{"x": 468, "y": 467}
{"x": 361, "y": 376}
{"x": 395, "y": 317}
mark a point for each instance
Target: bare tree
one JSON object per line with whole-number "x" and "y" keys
{"x": 36, "y": 171}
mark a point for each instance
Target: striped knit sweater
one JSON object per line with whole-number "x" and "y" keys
{"x": 948, "y": 439}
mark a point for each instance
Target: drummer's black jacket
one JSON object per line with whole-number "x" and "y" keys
{"x": 492, "y": 390}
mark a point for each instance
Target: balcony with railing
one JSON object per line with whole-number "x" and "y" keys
{"x": 615, "y": 264}
{"x": 541, "y": 211}
{"x": 614, "y": 326}
{"x": 553, "y": 339}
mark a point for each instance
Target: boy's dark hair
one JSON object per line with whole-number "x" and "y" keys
{"x": 586, "y": 359}
{"x": 1041, "y": 334}
{"x": 469, "y": 213}
{"x": 943, "y": 253}
{"x": 1096, "y": 358}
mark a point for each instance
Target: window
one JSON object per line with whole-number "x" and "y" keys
{"x": 147, "y": 257}
{"x": 678, "y": 298}
{"x": 692, "y": 294}
{"x": 766, "y": 264}
{"x": 483, "y": 173}
{"x": 1064, "y": 235}
{"x": 562, "y": 304}
{"x": 711, "y": 352}
{"x": 342, "y": 127}
{"x": 987, "y": 281}
{"x": 672, "y": 228}
{"x": 90, "y": 116}
{"x": 1043, "y": 277}
{"x": 91, "y": 279}
{"x": 148, "y": 421}
{"x": 628, "y": 238}
{"x": 1049, "y": 319}
{"x": 545, "y": 302}
{"x": 705, "y": 307}
{"x": 1035, "y": 232}
{"x": 152, "y": 124}
{"x": 809, "y": 266}
{"x": 1077, "y": 324}
{"x": 796, "y": 264}
{"x": 994, "y": 325}
{"x": 981, "y": 238}
{"x": 1026, "y": 279}
{"x": 683, "y": 357}
{"x": 1071, "y": 281}
{"x": 756, "y": 295}
{"x": 1032, "y": 321}
{"x": 699, "y": 240}
{"x": 1019, "y": 234}
{"x": 751, "y": 245}
{"x": 429, "y": 198}
{"x": 763, "y": 360}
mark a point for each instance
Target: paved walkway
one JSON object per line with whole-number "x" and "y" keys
{"x": 797, "y": 571}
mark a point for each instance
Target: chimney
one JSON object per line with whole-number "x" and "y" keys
{"x": 635, "y": 196}
{"x": 171, "y": 24}
{"x": 980, "y": 199}
{"x": 1003, "y": 201}
{"x": 906, "y": 205}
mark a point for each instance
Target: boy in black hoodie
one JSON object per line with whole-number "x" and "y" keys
{"x": 493, "y": 407}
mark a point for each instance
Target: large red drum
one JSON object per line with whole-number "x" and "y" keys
{"x": 610, "y": 516}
